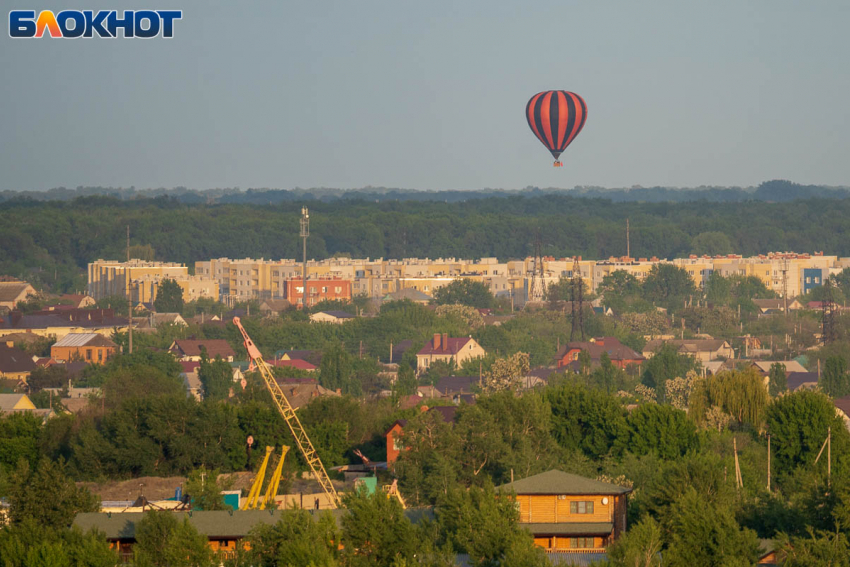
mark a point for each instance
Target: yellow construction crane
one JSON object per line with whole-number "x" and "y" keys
{"x": 288, "y": 413}
{"x": 253, "y": 501}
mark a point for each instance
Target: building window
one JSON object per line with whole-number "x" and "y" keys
{"x": 581, "y": 507}
{"x": 581, "y": 542}
{"x": 338, "y": 289}
{"x": 324, "y": 289}
{"x": 88, "y": 354}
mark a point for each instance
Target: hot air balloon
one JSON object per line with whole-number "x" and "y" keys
{"x": 556, "y": 118}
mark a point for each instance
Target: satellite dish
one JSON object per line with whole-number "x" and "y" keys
{"x": 250, "y": 440}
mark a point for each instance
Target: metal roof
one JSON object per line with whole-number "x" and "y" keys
{"x": 75, "y": 339}
{"x": 570, "y": 529}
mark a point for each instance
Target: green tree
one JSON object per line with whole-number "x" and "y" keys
{"x": 640, "y": 546}
{"x": 164, "y": 541}
{"x": 484, "y": 525}
{"x": 466, "y": 292}
{"x": 376, "y": 532}
{"x": 297, "y": 539}
{"x": 664, "y": 365}
{"x": 205, "y": 488}
{"x": 835, "y": 380}
{"x": 660, "y": 429}
{"x": 216, "y": 377}
{"x": 815, "y": 549}
{"x": 668, "y": 286}
{"x": 169, "y": 297}
{"x": 406, "y": 383}
{"x": 798, "y": 424}
{"x": 47, "y": 377}
{"x": 778, "y": 381}
{"x": 586, "y": 420}
{"x": 30, "y": 544}
{"x": 336, "y": 370}
{"x": 711, "y": 243}
{"x": 740, "y": 394}
{"x": 703, "y": 533}
{"x": 46, "y": 495}
{"x": 19, "y": 439}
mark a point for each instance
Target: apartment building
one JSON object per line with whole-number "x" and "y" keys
{"x": 115, "y": 278}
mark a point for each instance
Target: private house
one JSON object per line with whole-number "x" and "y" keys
{"x": 395, "y": 433}
{"x": 57, "y": 324}
{"x": 292, "y": 363}
{"x": 621, "y": 355}
{"x": 90, "y": 347}
{"x": 766, "y": 306}
{"x": 273, "y": 307}
{"x": 805, "y": 380}
{"x": 73, "y": 301}
{"x": 449, "y": 350}
{"x": 842, "y": 409}
{"x": 336, "y": 317}
{"x": 190, "y": 349}
{"x": 314, "y": 357}
{"x": 703, "y": 350}
{"x": 13, "y": 292}
{"x": 15, "y": 364}
{"x": 763, "y": 368}
{"x": 409, "y": 294}
{"x": 569, "y": 513}
{"x": 301, "y": 391}
{"x": 159, "y": 319}
{"x": 20, "y": 403}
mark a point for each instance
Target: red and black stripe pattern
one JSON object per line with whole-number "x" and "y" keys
{"x": 556, "y": 118}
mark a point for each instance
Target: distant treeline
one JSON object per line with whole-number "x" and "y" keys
{"x": 769, "y": 191}
{"x": 50, "y": 242}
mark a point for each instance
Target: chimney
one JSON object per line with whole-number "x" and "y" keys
{"x": 10, "y": 344}
{"x": 436, "y": 341}
{"x": 445, "y": 341}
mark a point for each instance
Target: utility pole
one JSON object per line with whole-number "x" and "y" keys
{"x": 785, "y": 285}
{"x": 305, "y": 232}
{"x": 129, "y": 298}
{"x": 768, "y": 462}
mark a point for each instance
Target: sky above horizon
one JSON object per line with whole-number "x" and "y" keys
{"x": 431, "y": 96}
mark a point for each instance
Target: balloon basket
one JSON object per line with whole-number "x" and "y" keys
{"x": 558, "y": 164}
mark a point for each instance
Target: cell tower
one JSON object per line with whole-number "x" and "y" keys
{"x": 536, "y": 289}
{"x": 830, "y": 330}
{"x": 305, "y": 232}
{"x": 577, "y": 293}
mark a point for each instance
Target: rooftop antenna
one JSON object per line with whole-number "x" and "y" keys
{"x": 535, "y": 291}
{"x": 628, "y": 244}
{"x": 577, "y": 293}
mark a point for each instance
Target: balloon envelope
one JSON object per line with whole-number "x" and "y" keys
{"x": 556, "y": 118}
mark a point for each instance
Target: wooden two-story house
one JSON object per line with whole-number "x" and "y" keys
{"x": 569, "y": 513}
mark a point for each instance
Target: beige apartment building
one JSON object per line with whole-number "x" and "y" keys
{"x": 108, "y": 278}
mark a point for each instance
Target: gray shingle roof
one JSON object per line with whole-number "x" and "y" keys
{"x": 559, "y": 482}
{"x": 14, "y": 360}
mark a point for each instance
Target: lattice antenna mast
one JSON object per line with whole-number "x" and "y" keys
{"x": 305, "y": 232}
{"x": 305, "y": 446}
{"x": 830, "y": 332}
{"x": 535, "y": 290}
{"x": 785, "y": 284}
{"x": 577, "y": 292}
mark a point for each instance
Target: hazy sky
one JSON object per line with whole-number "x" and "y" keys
{"x": 431, "y": 95}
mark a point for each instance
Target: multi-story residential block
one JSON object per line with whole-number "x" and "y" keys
{"x": 116, "y": 278}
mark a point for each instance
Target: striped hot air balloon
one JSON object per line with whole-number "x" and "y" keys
{"x": 556, "y": 118}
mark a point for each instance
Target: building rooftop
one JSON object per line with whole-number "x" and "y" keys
{"x": 559, "y": 482}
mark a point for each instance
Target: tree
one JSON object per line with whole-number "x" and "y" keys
{"x": 507, "y": 373}
{"x": 47, "y": 377}
{"x": 664, "y": 365}
{"x": 46, "y": 495}
{"x": 711, "y": 243}
{"x": 640, "y": 546}
{"x": 169, "y": 297}
{"x": 702, "y": 533}
{"x": 336, "y": 370}
{"x": 819, "y": 548}
{"x": 466, "y": 292}
{"x": 19, "y": 440}
{"x": 376, "y": 531}
{"x": 798, "y": 424}
{"x": 660, "y": 429}
{"x": 406, "y": 383}
{"x": 668, "y": 286}
{"x": 163, "y": 541}
{"x": 586, "y": 420}
{"x": 484, "y": 525}
{"x": 835, "y": 380}
{"x": 204, "y": 487}
{"x": 31, "y": 544}
{"x": 297, "y": 539}
{"x": 778, "y": 381}
{"x": 740, "y": 394}
{"x": 216, "y": 377}
{"x": 468, "y": 316}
